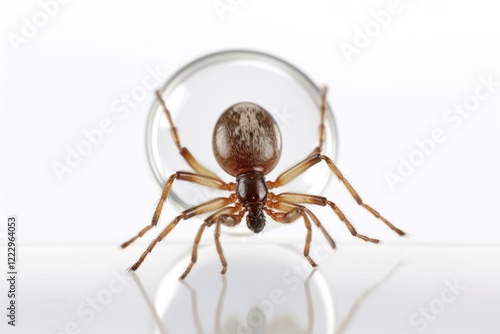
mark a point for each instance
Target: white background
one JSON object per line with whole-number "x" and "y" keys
{"x": 64, "y": 79}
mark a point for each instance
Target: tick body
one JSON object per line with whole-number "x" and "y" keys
{"x": 247, "y": 145}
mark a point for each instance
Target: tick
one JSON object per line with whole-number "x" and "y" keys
{"x": 247, "y": 145}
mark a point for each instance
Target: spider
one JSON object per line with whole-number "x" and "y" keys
{"x": 247, "y": 145}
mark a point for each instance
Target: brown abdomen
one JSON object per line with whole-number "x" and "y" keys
{"x": 246, "y": 138}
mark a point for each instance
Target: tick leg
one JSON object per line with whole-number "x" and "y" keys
{"x": 321, "y": 130}
{"x": 312, "y": 160}
{"x": 275, "y": 201}
{"x": 227, "y": 217}
{"x": 186, "y": 214}
{"x": 194, "y": 253}
{"x": 294, "y": 171}
{"x": 308, "y": 241}
{"x": 226, "y": 220}
{"x": 195, "y": 165}
{"x": 356, "y": 197}
{"x": 291, "y": 216}
{"x": 323, "y": 201}
{"x": 184, "y": 176}
{"x": 219, "y": 247}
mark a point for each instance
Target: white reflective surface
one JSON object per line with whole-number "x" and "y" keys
{"x": 359, "y": 288}
{"x": 262, "y": 292}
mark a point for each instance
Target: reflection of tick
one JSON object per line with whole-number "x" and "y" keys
{"x": 247, "y": 145}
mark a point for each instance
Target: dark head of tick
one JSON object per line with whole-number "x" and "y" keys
{"x": 247, "y": 145}
{"x": 256, "y": 221}
{"x": 251, "y": 189}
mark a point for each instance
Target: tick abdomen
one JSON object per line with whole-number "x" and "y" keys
{"x": 246, "y": 138}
